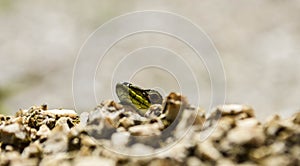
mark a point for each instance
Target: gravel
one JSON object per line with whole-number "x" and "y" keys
{"x": 168, "y": 134}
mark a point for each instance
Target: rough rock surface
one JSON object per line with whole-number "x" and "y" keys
{"x": 173, "y": 133}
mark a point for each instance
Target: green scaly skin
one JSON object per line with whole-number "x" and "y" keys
{"x": 140, "y": 99}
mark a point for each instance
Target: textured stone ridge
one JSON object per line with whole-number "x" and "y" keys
{"x": 112, "y": 133}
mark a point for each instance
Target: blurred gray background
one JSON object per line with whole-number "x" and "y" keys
{"x": 258, "y": 42}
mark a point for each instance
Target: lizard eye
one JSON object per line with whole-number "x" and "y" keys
{"x": 155, "y": 98}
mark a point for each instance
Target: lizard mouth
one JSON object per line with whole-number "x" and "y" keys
{"x": 122, "y": 92}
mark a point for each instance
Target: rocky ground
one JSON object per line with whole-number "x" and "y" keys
{"x": 174, "y": 133}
